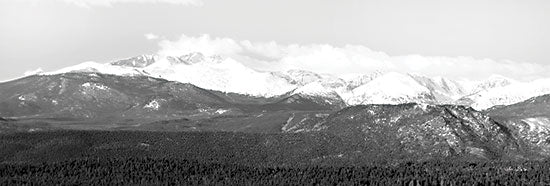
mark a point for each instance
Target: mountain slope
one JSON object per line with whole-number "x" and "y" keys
{"x": 209, "y": 72}
{"x": 444, "y": 90}
{"x": 137, "y": 62}
{"x": 86, "y": 100}
{"x": 391, "y": 88}
{"x": 496, "y": 91}
{"x": 227, "y": 75}
{"x": 422, "y": 131}
{"x": 139, "y": 102}
{"x": 513, "y": 93}
{"x": 94, "y": 95}
{"x": 530, "y": 120}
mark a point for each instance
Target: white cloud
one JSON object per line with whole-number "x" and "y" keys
{"x": 204, "y": 44}
{"x": 151, "y": 36}
{"x": 33, "y": 72}
{"x": 109, "y": 3}
{"x": 324, "y": 58}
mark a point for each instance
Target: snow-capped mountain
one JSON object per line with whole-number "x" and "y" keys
{"x": 209, "y": 72}
{"x": 134, "y": 99}
{"x": 443, "y": 89}
{"x": 355, "y": 80}
{"x": 319, "y": 93}
{"x": 100, "y": 96}
{"x": 228, "y": 75}
{"x": 94, "y": 67}
{"x": 138, "y": 61}
{"x": 494, "y": 81}
{"x": 391, "y": 88}
{"x": 299, "y": 77}
{"x": 510, "y": 94}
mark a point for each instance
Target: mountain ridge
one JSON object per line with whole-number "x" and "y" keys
{"x": 95, "y": 101}
{"x": 228, "y": 75}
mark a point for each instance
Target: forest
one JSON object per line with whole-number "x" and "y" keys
{"x": 173, "y": 171}
{"x": 232, "y": 158}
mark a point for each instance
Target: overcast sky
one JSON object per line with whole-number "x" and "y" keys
{"x": 51, "y": 34}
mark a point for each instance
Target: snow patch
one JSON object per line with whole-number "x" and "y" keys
{"x": 154, "y": 104}
{"x": 321, "y": 115}
{"x": 538, "y": 124}
{"x": 221, "y": 111}
{"x": 144, "y": 144}
{"x": 423, "y": 106}
{"x": 371, "y": 112}
{"x": 27, "y": 97}
{"x": 95, "y": 86}
{"x": 286, "y": 126}
{"x": 395, "y": 119}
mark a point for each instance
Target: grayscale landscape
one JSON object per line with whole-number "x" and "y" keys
{"x": 281, "y": 93}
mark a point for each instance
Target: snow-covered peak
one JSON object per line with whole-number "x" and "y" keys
{"x": 315, "y": 89}
{"x": 390, "y": 88}
{"x": 355, "y": 80}
{"x": 138, "y": 61}
{"x": 333, "y": 82}
{"x": 299, "y": 77}
{"x": 210, "y": 72}
{"x": 225, "y": 74}
{"x": 98, "y": 68}
{"x": 510, "y": 94}
{"x": 194, "y": 58}
{"x": 494, "y": 81}
{"x": 445, "y": 90}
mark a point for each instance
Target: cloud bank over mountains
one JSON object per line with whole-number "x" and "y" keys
{"x": 326, "y": 58}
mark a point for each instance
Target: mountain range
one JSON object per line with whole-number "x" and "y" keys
{"x": 228, "y": 75}
{"x": 406, "y": 115}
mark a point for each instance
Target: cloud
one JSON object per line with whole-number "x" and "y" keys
{"x": 109, "y": 3}
{"x": 339, "y": 60}
{"x": 203, "y": 43}
{"x": 151, "y": 36}
{"x": 33, "y": 72}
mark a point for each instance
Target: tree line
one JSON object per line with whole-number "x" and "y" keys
{"x": 177, "y": 171}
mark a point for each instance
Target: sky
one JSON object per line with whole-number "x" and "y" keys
{"x": 457, "y": 38}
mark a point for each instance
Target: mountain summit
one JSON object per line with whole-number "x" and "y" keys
{"x": 226, "y": 74}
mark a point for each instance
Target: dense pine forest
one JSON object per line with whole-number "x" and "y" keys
{"x": 152, "y": 171}
{"x": 228, "y": 158}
